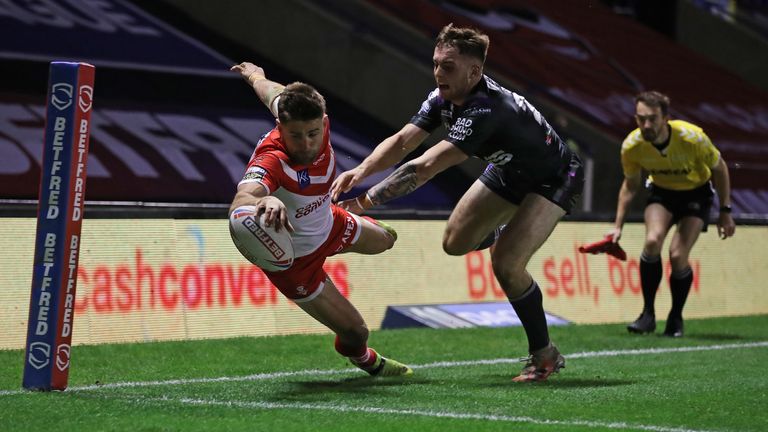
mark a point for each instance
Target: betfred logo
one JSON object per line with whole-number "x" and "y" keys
{"x": 61, "y": 96}
{"x": 86, "y": 98}
{"x": 62, "y": 357}
{"x": 264, "y": 238}
{"x": 39, "y": 354}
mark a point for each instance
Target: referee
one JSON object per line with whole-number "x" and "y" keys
{"x": 682, "y": 164}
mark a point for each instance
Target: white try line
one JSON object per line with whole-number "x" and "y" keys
{"x": 420, "y": 413}
{"x": 442, "y": 364}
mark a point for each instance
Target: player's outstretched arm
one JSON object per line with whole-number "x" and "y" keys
{"x": 389, "y": 152}
{"x": 266, "y": 90}
{"x": 408, "y": 177}
{"x": 255, "y": 194}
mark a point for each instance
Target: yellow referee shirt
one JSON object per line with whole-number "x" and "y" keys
{"x": 685, "y": 164}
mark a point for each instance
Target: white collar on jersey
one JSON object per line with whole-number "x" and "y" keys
{"x": 312, "y": 179}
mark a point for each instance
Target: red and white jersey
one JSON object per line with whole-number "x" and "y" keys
{"x": 304, "y": 189}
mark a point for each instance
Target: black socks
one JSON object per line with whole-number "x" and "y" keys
{"x": 650, "y": 277}
{"x": 530, "y": 310}
{"x": 680, "y": 285}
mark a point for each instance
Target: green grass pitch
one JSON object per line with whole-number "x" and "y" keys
{"x": 711, "y": 380}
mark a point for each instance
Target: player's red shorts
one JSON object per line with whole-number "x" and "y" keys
{"x": 306, "y": 278}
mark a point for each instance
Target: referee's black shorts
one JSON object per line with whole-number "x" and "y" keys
{"x": 694, "y": 202}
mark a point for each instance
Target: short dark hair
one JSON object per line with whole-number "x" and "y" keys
{"x": 468, "y": 41}
{"x": 300, "y": 102}
{"x": 653, "y": 98}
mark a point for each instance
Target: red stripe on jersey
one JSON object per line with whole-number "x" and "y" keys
{"x": 272, "y": 156}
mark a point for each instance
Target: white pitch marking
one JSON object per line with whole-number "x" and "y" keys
{"x": 442, "y": 364}
{"x": 423, "y": 413}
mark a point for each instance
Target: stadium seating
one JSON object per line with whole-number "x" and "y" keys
{"x": 171, "y": 123}
{"x": 177, "y": 129}
{"x": 592, "y": 61}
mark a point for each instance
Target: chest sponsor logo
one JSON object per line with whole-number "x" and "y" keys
{"x": 309, "y": 208}
{"x": 461, "y": 129}
{"x": 671, "y": 171}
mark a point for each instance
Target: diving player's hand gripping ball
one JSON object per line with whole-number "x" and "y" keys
{"x": 260, "y": 244}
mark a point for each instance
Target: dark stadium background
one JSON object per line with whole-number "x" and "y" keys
{"x": 170, "y": 94}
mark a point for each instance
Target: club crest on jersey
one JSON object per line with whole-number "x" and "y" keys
{"x": 302, "y": 177}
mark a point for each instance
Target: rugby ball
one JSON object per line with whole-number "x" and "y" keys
{"x": 270, "y": 250}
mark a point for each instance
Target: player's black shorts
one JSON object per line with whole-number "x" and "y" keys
{"x": 695, "y": 202}
{"x": 562, "y": 189}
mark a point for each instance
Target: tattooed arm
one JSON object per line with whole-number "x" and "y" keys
{"x": 408, "y": 177}
{"x": 388, "y": 153}
{"x": 401, "y": 182}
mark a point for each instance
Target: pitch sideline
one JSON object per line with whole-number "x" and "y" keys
{"x": 416, "y": 412}
{"x": 441, "y": 364}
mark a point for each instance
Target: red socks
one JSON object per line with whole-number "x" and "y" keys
{"x": 361, "y": 356}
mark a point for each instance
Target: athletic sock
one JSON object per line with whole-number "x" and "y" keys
{"x": 530, "y": 310}
{"x": 650, "y": 277}
{"x": 680, "y": 285}
{"x": 369, "y": 362}
{"x": 363, "y": 357}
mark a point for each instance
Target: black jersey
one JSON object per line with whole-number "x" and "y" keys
{"x": 501, "y": 127}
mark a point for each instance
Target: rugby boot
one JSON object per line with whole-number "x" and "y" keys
{"x": 645, "y": 323}
{"x": 541, "y": 364}
{"x": 385, "y": 367}
{"x": 674, "y": 327}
